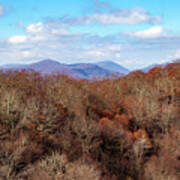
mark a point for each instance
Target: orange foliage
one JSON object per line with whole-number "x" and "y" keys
{"x": 107, "y": 113}
{"x": 130, "y": 116}
{"x": 117, "y": 117}
{"x": 106, "y": 123}
{"x": 155, "y": 71}
{"x": 122, "y": 119}
{"x": 129, "y": 135}
{"x": 140, "y": 134}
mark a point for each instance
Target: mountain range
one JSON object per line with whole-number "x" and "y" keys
{"x": 78, "y": 70}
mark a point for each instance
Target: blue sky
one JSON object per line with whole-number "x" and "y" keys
{"x": 133, "y": 33}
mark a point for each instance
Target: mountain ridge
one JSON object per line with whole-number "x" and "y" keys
{"x": 77, "y": 70}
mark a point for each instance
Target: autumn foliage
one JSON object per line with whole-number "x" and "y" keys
{"x": 56, "y": 127}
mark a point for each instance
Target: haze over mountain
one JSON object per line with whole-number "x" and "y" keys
{"x": 78, "y": 70}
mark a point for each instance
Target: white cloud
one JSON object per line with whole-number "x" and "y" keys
{"x": 40, "y": 28}
{"x": 153, "y": 32}
{"x": 60, "y": 31}
{"x": 104, "y": 52}
{"x": 118, "y": 55}
{"x": 1, "y": 10}
{"x": 96, "y": 53}
{"x": 17, "y": 39}
{"x": 114, "y": 47}
{"x": 26, "y": 53}
{"x": 175, "y": 55}
{"x": 35, "y": 28}
{"x": 123, "y": 16}
{"x": 133, "y": 16}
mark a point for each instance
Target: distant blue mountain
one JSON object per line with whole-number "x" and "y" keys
{"x": 79, "y": 70}
{"x": 148, "y": 68}
{"x": 12, "y": 66}
{"x": 113, "y": 67}
{"x": 90, "y": 70}
{"x": 48, "y": 66}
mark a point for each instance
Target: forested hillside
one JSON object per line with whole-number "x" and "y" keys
{"x": 57, "y": 128}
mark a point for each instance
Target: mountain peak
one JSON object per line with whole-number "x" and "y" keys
{"x": 106, "y": 61}
{"x": 48, "y": 61}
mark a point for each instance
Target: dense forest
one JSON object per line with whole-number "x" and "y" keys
{"x": 55, "y": 127}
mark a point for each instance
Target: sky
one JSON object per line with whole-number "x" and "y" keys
{"x": 133, "y": 33}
